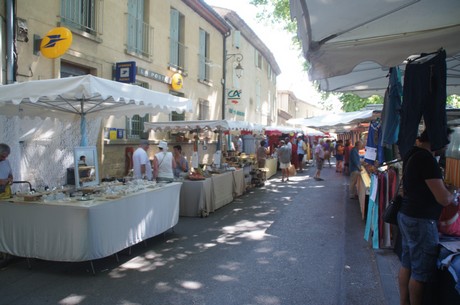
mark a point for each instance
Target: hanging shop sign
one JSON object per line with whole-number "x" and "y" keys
{"x": 153, "y": 75}
{"x": 236, "y": 112}
{"x": 177, "y": 81}
{"x": 56, "y": 42}
{"x": 125, "y": 72}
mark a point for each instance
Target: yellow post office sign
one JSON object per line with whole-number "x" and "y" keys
{"x": 177, "y": 81}
{"x": 56, "y": 42}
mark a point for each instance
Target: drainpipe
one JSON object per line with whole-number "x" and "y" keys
{"x": 224, "y": 88}
{"x": 224, "y": 75}
{"x": 10, "y": 41}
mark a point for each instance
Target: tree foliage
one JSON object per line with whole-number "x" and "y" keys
{"x": 352, "y": 102}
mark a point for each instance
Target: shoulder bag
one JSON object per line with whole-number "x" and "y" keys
{"x": 390, "y": 215}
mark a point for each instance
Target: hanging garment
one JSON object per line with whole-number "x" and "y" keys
{"x": 373, "y": 142}
{"x": 391, "y": 109}
{"x": 424, "y": 93}
{"x": 372, "y": 221}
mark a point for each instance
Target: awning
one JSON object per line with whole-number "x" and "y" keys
{"x": 351, "y": 44}
{"x": 85, "y": 96}
{"x": 337, "y": 122}
{"x": 212, "y": 125}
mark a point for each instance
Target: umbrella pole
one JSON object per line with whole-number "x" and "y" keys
{"x": 84, "y": 136}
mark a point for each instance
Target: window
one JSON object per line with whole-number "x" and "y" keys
{"x": 176, "y": 116}
{"x": 69, "y": 69}
{"x": 177, "y": 47}
{"x": 80, "y": 15}
{"x": 258, "y": 98}
{"x": 203, "y": 109}
{"x": 139, "y": 31}
{"x": 135, "y": 127}
{"x": 258, "y": 59}
{"x": 203, "y": 57}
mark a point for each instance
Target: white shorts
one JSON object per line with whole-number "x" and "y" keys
{"x": 285, "y": 165}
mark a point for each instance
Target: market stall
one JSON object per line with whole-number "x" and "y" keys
{"x": 81, "y": 230}
{"x": 214, "y": 186}
{"x": 43, "y": 120}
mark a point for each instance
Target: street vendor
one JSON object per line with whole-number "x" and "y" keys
{"x": 6, "y": 173}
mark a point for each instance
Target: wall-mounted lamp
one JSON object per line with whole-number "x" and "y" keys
{"x": 239, "y": 68}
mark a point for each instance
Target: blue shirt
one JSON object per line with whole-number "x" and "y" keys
{"x": 355, "y": 162}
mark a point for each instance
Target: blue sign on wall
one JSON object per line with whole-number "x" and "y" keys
{"x": 125, "y": 72}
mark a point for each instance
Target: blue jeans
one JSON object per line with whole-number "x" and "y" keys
{"x": 420, "y": 249}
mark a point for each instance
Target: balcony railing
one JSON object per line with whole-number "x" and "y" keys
{"x": 205, "y": 65}
{"x": 178, "y": 53}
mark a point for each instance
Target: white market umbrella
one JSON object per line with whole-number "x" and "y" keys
{"x": 85, "y": 96}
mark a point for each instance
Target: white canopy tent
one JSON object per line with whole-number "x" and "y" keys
{"x": 203, "y": 125}
{"x": 337, "y": 122}
{"x": 85, "y": 96}
{"x": 351, "y": 44}
{"x": 307, "y": 131}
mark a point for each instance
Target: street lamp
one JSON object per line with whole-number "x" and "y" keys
{"x": 238, "y": 69}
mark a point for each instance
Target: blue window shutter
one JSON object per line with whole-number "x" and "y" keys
{"x": 174, "y": 37}
{"x": 202, "y": 55}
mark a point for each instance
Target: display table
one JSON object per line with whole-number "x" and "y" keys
{"x": 198, "y": 198}
{"x": 271, "y": 165}
{"x": 239, "y": 182}
{"x": 86, "y": 230}
{"x": 222, "y": 189}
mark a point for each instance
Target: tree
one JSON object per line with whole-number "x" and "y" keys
{"x": 453, "y": 101}
{"x": 352, "y": 102}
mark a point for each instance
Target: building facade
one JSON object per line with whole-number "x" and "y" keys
{"x": 250, "y": 95}
{"x": 291, "y": 107}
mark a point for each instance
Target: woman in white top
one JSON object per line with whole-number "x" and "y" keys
{"x": 164, "y": 163}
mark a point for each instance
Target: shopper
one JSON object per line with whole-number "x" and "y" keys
{"x": 6, "y": 173}
{"x": 164, "y": 163}
{"x": 346, "y": 157}
{"x": 142, "y": 168}
{"x": 181, "y": 162}
{"x": 261, "y": 154}
{"x": 327, "y": 152}
{"x": 355, "y": 169}
{"x": 284, "y": 156}
{"x": 339, "y": 152}
{"x": 319, "y": 158}
{"x": 294, "y": 157}
{"x": 424, "y": 196}
{"x": 301, "y": 147}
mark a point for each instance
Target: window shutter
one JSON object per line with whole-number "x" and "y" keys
{"x": 202, "y": 56}
{"x": 174, "y": 37}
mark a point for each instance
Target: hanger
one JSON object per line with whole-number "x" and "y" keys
{"x": 423, "y": 57}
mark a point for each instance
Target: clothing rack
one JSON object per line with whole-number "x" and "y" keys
{"x": 390, "y": 162}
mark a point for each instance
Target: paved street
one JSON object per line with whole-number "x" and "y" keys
{"x": 298, "y": 242}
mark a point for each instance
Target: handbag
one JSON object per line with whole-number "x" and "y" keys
{"x": 390, "y": 215}
{"x": 292, "y": 170}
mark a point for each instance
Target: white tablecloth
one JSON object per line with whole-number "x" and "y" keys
{"x": 195, "y": 197}
{"x": 87, "y": 230}
{"x": 212, "y": 193}
{"x": 222, "y": 188}
{"x": 239, "y": 183}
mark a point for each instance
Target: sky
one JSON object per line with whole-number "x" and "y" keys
{"x": 289, "y": 58}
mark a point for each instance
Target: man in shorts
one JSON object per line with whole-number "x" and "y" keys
{"x": 319, "y": 157}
